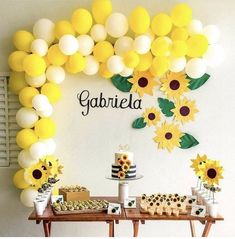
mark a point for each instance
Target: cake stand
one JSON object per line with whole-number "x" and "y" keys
{"x": 123, "y": 186}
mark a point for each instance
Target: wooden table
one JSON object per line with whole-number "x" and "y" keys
{"x": 126, "y": 214}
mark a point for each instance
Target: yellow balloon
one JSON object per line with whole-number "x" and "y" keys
{"x": 101, "y": 9}
{"x": 19, "y": 181}
{"x": 161, "y": 24}
{"x": 131, "y": 59}
{"x": 179, "y": 34}
{"x": 104, "y": 72}
{"x": 52, "y": 91}
{"x": 62, "y": 28}
{"x": 34, "y": 65}
{"x": 81, "y": 21}
{"x": 103, "y": 50}
{"x": 181, "y": 15}
{"x": 145, "y": 62}
{"x": 139, "y": 20}
{"x": 179, "y": 48}
{"x": 25, "y": 138}
{"x": 160, "y": 47}
{"x": 15, "y": 60}
{"x": 55, "y": 56}
{"x": 76, "y": 63}
{"x": 197, "y": 45}
{"x": 17, "y": 82}
{"x": 22, "y": 40}
{"x": 26, "y": 95}
{"x": 160, "y": 66}
{"x": 45, "y": 128}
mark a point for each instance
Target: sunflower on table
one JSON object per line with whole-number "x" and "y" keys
{"x": 151, "y": 116}
{"x": 143, "y": 83}
{"x": 198, "y": 163}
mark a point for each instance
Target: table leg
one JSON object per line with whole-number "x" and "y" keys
{"x": 47, "y": 228}
{"x": 111, "y": 228}
{"x": 135, "y": 227}
{"x": 192, "y": 227}
{"x": 207, "y": 229}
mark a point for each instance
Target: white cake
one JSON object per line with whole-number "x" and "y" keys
{"x": 124, "y": 166}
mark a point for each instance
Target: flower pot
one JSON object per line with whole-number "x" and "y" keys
{"x": 213, "y": 209}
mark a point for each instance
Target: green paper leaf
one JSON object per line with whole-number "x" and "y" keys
{"x": 139, "y": 123}
{"x": 122, "y": 83}
{"x": 196, "y": 83}
{"x": 166, "y": 106}
{"x": 188, "y": 141}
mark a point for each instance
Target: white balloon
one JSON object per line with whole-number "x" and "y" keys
{"x": 50, "y": 145}
{"x": 46, "y": 112}
{"x": 55, "y": 74}
{"x": 149, "y": 33}
{"x": 196, "y": 67}
{"x": 142, "y": 44}
{"x": 123, "y": 45}
{"x": 40, "y": 102}
{"x": 115, "y": 64}
{"x": 92, "y": 65}
{"x": 44, "y": 29}
{"x": 68, "y": 44}
{"x": 98, "y": 32}
{"x": 212, "y": 33}
{"x": 25, "y": 159}
{"x": 37, "y": 81}
{"x": 40, "y": 47}
{"x": 127, "y": 71}
{"x": 214, "y": 55}
{"x": 177, "y": 64}
{"x": 86, "y": 44}
{"x": 27, "y": 196}
{"x": 116, "y": 25}
{"x": 37, "y": 150}
{"x": 194, "y": 27}
{"x": 26, "y": 117}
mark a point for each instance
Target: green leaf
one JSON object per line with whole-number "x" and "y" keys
{"x": 196, "y": 83}
{"x": 188, "y": 141}
{"x": 166, "y": 106}
{"x": 122, "y": 83}
{"x": 139, "y": 123}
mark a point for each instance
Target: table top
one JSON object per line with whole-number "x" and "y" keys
{"x": 126, "y": 214}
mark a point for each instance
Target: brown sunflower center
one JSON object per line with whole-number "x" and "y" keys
{"x": 143, "y": 82}
{"x": 37, "y": 174}
{"x": 211, "y": 173}
{"x": 184, "y": 110}
{"x": 168, "y": 135}
{"x": 151, "y": 116}
{"x": 174, "y": 85}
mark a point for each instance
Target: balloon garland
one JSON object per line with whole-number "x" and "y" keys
{"x": 171, "y": 51}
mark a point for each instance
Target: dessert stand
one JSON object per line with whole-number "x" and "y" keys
{"x": 123, "y": 186}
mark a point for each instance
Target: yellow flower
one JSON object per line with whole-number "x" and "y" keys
{"x": 125, "y": 167}
{"x": 128, "y": 162}
{"x": 151, "y": 116}
{"x": 198, "y": 163}
{"x": 121, "y": 162}
{"x": 37, "y": 174}
{"x": 143, "y": 83}
{"x": 212, "y": 172}
{"x": 184, "y": 110}
{"x": 174, "y": 84}
{"x": 53, "y": 164}
{"x": 168, "y": 136}
{"x": 121, "y": 174}
{"x": 124, "y": 157}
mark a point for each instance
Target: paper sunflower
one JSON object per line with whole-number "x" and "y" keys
{"x": 124, "y": 157}
{"x": 53, "y": 164}
{"x": 184, "y": 110}
{"x": 212, "y": 172}
{"x": 125, "y": 167}
{"x": 143, "y": 83}
{"x": 37, "y": 174}
{"x": 174, "y": 84}
{"x": 168, "y": 136}
{"x": 121, "y": 174}
{"x": 198, "y": 163}
{"x": 151, "y": 116}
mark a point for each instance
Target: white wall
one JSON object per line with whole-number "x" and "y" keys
{"x": 86, "y": 144}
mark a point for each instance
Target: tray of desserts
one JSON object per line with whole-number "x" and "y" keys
{"x": 80, "y": 206}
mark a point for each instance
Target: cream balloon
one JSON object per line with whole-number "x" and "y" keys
{"x": 116, "y": 25}
{"x": 50, "y": 145}
{"x": 115, "y": 64}
{"x": 25, "y": 159}
{"x": 127, "y": 71}
{"x": 37, "y": 150}
{"x": 27, "y": 196}
{"x": 86, "y": 44}
{"x": 98, "y": 32}
{"x": 55, "y": 74}
{"x": 46, "y": 112}
{"x": 44, "y": 29}
{"x": 40, "y": 47}
{"x": 196, "y": 68}
{"x": 40, "y": 102}
{"x": 123, "y": 45}
{"x": 195, "y": 27}
{"x": 68, "y": 44}
{"x": 92, "y": 65}
{"x": 177, "y": 64}
{"x": 214, "y": 55}
{"x": 212, "y": 33}
{"x": 37, "y": 81}
{"x": 142, "y": 44}
{"x": 26, "y": 117}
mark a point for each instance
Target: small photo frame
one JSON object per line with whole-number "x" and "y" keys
{"x": 114, "y": 208}
{"x": 130, "y": 202}
{"x": 57, "y": 198}
{"x": 198, "y": 211}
